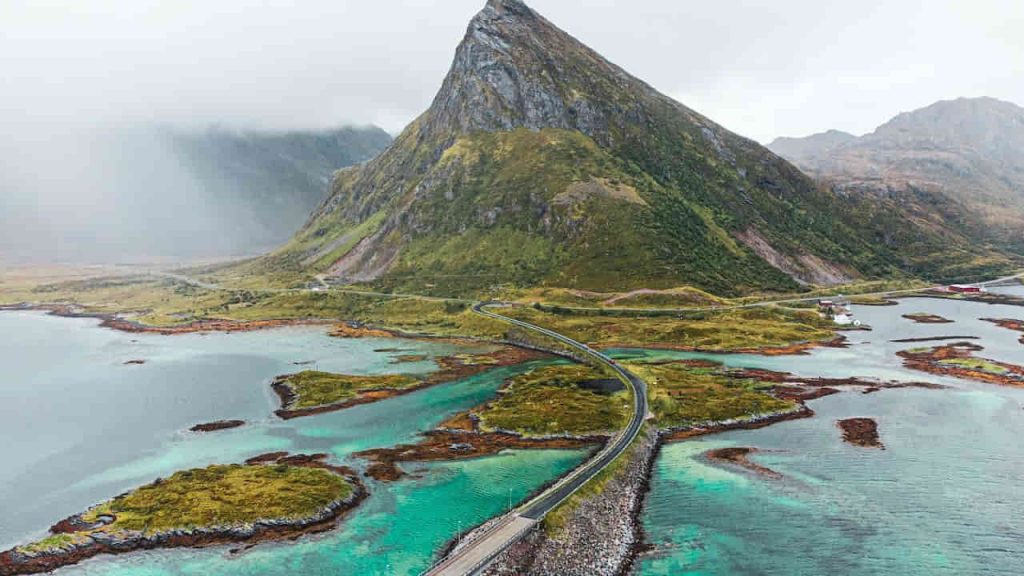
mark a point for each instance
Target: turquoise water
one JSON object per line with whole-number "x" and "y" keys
{"x": 80, "y": 427}
{"x": 945, "y": 496}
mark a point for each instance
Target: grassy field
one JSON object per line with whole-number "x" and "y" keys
{"x": 682, "y": 395}
{"x": 720, "y": 331}
{"x": 979, "y": 364}
{"x": 312, "y": 388}
{"x": 217, "y": 496}
{"x": 550, "y": 400}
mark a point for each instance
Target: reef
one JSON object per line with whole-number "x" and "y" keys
{"x": 740, "y": 456}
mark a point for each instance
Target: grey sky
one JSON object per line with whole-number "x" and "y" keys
{"x": 763, "y": 69}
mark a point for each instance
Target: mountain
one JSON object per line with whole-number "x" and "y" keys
{"x": 966, "y": 154}
{"x": 115, "y": 194}
{"x": 271, "y": 182}
{"x": 540, "y": 162}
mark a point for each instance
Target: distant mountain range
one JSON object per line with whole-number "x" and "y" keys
{"x": 273, "y": 181}
{"x": 965, "y": 157}
{"x": 540, "y": 162}
{"x": 143, "y": 193}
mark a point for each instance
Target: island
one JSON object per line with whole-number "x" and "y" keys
{"x": 220, "y": 504}
{"x": 861, "y": 432}
{"x": 314, "y": 392}
{"x": 925, "y": 318}
{"x": 218, "y": 425}
{"x": 557, "y": 406}
{"x": 958, "y": 360}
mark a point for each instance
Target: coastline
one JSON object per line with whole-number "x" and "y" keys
{"x": 451, "y": 369}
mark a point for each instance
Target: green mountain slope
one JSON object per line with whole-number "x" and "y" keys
{"x": 539, "y": 162}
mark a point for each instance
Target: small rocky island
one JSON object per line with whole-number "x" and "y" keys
{"x": 218, "y": 425}
{"x": 220, "y": 504}
{"x": 861, "y": 432}
{"x": 924, "y": 318}
{"x": 740, "y": 456}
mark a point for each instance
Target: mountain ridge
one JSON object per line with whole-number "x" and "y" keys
{"x": 540, "y": 162}
{"x": 966, "y": 151}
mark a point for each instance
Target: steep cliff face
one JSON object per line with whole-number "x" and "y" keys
{"x": 540, "y": 162}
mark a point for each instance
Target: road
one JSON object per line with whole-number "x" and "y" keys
{"x": 476, "y": 554}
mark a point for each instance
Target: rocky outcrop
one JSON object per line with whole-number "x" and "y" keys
{"x": 218, "y": 425}
{"x": 861, "y": 432}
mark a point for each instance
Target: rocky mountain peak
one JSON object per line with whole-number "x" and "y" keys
{"x": 514, "y": 69}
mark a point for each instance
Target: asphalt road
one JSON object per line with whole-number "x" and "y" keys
{"x": 549, "y": 499}
{"x": 473, "y": 556}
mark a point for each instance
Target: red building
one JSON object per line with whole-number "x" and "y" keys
{"x": 965, "y": 289}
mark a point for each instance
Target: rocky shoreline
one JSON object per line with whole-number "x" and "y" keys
{"x": 450, "y": 445}
{"x": 17, "y": 561}
{"x": 958, "y": 360}
{"x": 609, "y": 526}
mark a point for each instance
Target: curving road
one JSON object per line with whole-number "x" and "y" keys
{"x": 473, "y": 556}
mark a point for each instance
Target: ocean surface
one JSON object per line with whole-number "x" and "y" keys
{"x": 80, "y": 426}
{"x": 946, "y": 496}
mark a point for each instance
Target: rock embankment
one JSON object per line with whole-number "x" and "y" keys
{"x": 607, "y": 527}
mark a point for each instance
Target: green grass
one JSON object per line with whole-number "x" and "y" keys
{"x": 681, "y": 395}
{"x": 217, "y": 496}
{"x": 979, "y": 364}
{"x": 53, "y": 543}
{"x": 313, "y": 388}
{"x": 548, "y": 401}
{"x": 719, "y": 331}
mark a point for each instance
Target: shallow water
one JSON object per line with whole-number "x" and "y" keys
{"x": 80, "y": 426}
{"x": 944, "y": 497}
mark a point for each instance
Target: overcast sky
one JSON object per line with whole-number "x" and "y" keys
{"x": 763, "y": 69}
